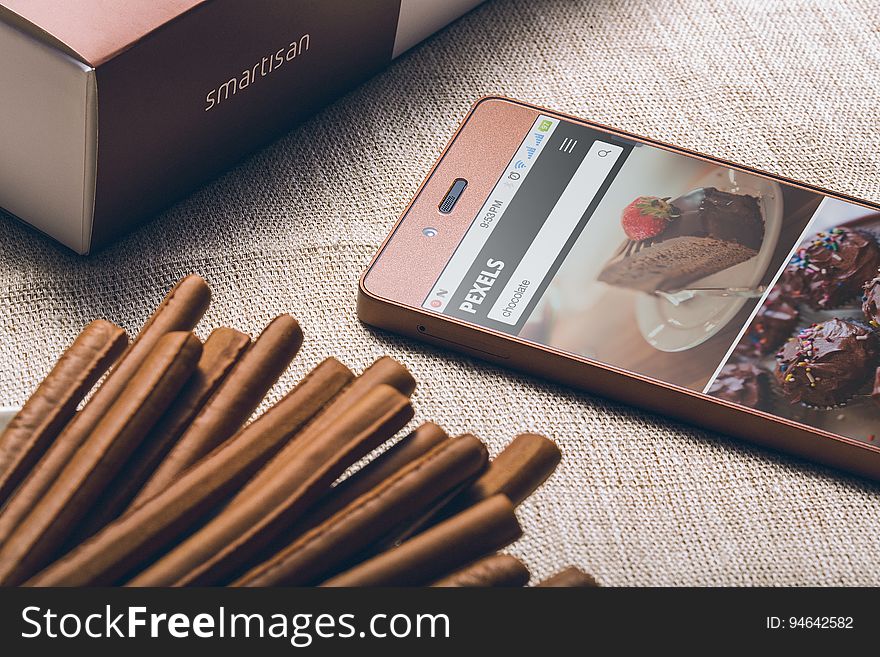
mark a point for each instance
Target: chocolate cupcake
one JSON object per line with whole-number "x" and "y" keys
{"x": 825, "y": 364}
{"x": 746, "y": 349}
{"x": 871, "y": 301}
{"x": 830, "y": 270}
{"x": 742, "y": 383}
{"x": 773, "y": 325}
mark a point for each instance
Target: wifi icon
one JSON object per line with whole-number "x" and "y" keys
{"x": 530, "y": 151}
{"x": 520, "y": 164}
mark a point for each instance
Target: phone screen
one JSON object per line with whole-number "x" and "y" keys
{"x": 695, "y": 274}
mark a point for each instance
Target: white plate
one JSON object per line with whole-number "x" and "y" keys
{"x": 678, "y": 328}
{"x": 6, "y": 414}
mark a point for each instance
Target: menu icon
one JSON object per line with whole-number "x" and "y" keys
{"x": 567, "y": 145}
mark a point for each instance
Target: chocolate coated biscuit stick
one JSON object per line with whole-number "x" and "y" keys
{"x": 144, "y": 531}
{"x": 495, "y": 570}
{"x": 220, "y": 352}
{"x": 327, "y": 547}
{"x": 480, "y": 530}
{"x": 409, "y": 448}
{"x": 516, "y": 472}
{"x": 181, "y": 310}
{"x": 53, "y": 404}
{"x": 569, "y": 577}
{"x": 284, "y": 489}
{"x": 385, "y": 371}
{"x": 40, "y": 534}
{"x": 233, "y": 403}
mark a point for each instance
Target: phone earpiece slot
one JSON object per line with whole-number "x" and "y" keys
{"x": 452, "y": 196}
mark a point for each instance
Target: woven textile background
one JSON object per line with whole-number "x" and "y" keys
{"x": 790, "y": 87}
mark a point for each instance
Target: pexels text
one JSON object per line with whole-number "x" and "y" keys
{"x": 480, "y": 288}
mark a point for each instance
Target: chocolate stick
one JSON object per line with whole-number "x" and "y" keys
{"x": 233, "y": 403}
{"x": 179, "y": 311}
{"x": 282, "y": 491}
{"x": 41, "y": 533}
{"x": 147, "y": 529}
{"x": 331, "y": 544}
{"x": 516, "y": 472}
{"x": 409, "y": 448}
{"x": 495, "y": 570}
{"x": 385, "y": 371}
{"x": 53, "y": 404}
{"x": 220, "y": 352}
{"x": 480, "y": 530}
{"x": 569, "y": 577}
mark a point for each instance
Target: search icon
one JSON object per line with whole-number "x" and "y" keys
{"x": 603, "y": 153}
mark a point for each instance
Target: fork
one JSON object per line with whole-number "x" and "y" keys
{"x": 680, "y": 296}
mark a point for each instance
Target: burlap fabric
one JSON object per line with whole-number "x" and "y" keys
{"x": 790, "y": 87}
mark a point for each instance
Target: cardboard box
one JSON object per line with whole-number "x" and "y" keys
{"x": 112, "y": 109}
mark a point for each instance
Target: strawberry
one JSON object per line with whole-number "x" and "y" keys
{"x": 646, "y": 217}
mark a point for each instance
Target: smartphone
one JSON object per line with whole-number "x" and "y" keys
{"x": 707, "y": 291}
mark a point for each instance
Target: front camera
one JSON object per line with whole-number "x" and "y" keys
{"x": 429, "y": 232}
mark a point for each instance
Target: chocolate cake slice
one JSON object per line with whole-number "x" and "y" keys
{"x": 674, "y": 243}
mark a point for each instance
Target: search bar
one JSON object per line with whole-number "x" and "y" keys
{"x": 557, "y": 229}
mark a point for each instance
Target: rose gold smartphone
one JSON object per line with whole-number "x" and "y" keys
{"x": 704, "y": 290}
